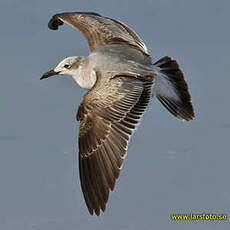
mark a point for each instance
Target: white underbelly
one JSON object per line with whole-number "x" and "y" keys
{"x": 84, "y": 79}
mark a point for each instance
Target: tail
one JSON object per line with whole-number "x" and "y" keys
{"x": 171, "y": 89}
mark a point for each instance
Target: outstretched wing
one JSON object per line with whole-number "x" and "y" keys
{"x": 99, "y": 30}
{"x": 108, "y": 115}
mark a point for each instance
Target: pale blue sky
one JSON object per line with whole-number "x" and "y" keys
{"x": 171, "y": 167}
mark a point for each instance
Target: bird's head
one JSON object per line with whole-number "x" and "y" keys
{"x": 68, "y": 66}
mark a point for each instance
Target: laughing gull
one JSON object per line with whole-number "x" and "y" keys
{"x": 121, "y": 80}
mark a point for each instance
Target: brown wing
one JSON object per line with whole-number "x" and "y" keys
{"x": 99, "y": 30}
{"x": 108, "y": 116}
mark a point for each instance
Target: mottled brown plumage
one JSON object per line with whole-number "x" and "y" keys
{"x": 121, "y": 80}
{"x": 107, "y": 121}
{"x": 99, "y": 30}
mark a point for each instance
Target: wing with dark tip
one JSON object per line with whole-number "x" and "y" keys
{"x": 108, "y": 115}
{"x": 99, "y": 30}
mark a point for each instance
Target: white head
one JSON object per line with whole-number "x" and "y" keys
{"x": 68, "y": 66}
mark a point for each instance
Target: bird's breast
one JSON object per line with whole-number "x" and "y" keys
{"x": 85, "y": 77}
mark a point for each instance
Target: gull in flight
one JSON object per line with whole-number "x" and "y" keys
{"x": 121, "y": 80}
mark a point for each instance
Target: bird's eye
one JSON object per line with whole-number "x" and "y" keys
{"x": 67, "y": 66}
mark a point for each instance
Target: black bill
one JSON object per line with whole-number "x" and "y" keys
{"x": 49, "y": 74}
